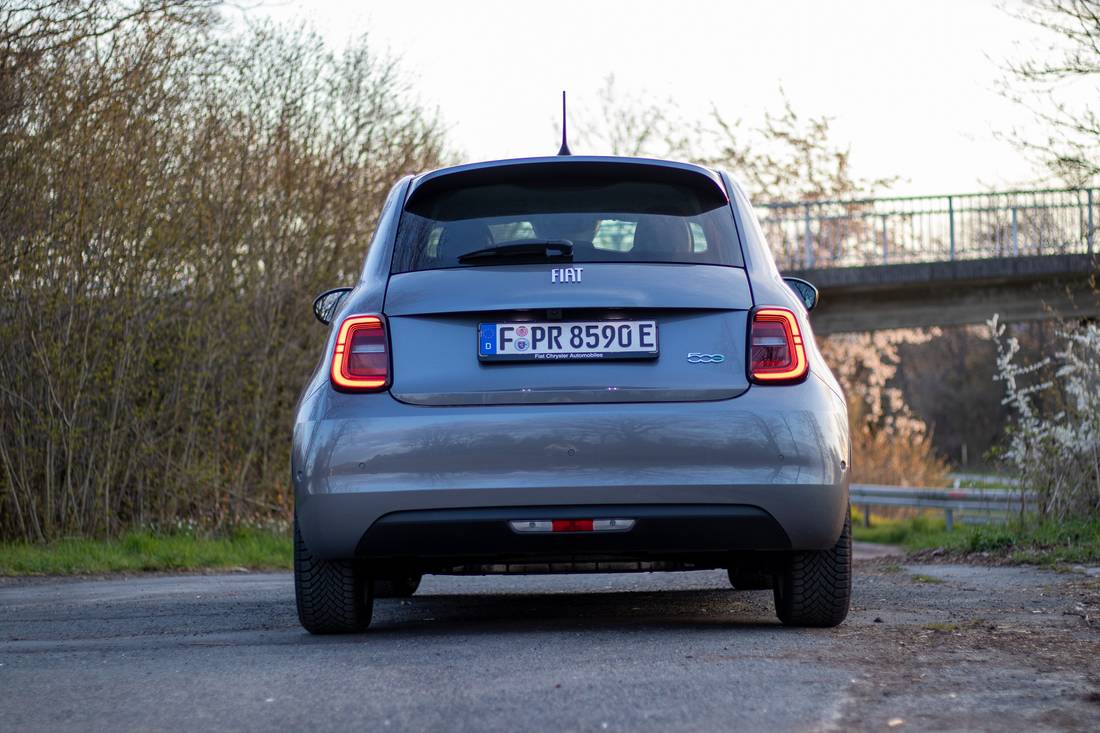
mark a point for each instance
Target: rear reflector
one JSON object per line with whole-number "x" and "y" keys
{"x": 612, "y": 525}
{"x": 532, "y": 525}
{"x": 777, "y": 354}
{"x": 571, "y": 525}
{"x": 360, "y": 359}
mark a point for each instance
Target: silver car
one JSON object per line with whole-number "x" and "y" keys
{"x": 569, "y": 364}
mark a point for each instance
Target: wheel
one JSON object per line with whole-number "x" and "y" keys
{"x": 816, "y": 587}
{"x": 333, "y": 596}
{"x": 749, "y": 579}
{"x": 402, "y": 587}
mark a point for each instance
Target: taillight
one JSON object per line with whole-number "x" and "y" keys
{"x": 776, "y": 352}
{"x": 361, "y": 360}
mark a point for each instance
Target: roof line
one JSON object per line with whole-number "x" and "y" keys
{"x": 572, "y": 160}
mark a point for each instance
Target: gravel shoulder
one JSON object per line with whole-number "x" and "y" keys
{"x": 934, "y": 646}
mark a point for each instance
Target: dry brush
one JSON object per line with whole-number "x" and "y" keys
{"x": 172, "y": 195}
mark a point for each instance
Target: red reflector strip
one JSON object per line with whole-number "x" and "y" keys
{"x": 572, "y": 525}
{"x": 526, "y": 526}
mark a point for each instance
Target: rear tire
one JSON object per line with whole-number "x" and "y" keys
{"x": 396, "y": 587}
{"x": 816, "y": 587}
{"x": 333, "y": 596}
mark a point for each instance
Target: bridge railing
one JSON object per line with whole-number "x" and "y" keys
{"x": 883, "y": 231}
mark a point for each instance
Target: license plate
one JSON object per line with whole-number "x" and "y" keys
{"x": 567, "y": 341}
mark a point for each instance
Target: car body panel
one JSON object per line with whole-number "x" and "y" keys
{"x": 434, "y": 315}
{"x": 426, "y": 371}
{"x": 434, "y": 444}
{"x": 778, "y": 448}
{"x": 604, "y": 285}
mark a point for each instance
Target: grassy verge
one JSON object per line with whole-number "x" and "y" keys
{"x": 1069, "y": 542}
{"x": 147, "y": 551}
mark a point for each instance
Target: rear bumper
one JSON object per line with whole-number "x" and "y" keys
{"x": 759, "y": 472}
{"x": 485, "y": 534}
{"x": 444, "y": 540}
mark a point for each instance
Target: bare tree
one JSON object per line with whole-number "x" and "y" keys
{"x": 635, "y": 123}
{"x": 1071, "y": 147}
{"x": 171, "y": 198}
{"x": 788, "y": 157}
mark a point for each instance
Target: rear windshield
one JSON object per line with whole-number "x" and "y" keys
{"x": 607, "y": 221}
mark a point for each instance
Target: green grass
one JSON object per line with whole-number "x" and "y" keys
{"x": 992, "y": 484}
{"x": 1042, "y": 542}
{"x": 147, "y": 551}
{"x": 1049, "y": 543}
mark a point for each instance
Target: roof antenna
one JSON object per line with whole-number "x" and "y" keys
{"x": 564, "y": 150}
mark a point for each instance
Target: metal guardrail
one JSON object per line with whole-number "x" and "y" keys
{"x": 995, "y": 503}
{"x": 882, "y": 231}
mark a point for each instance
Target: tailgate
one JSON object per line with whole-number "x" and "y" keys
{"x": 700, "y": 312}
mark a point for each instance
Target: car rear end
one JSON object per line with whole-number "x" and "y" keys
{"x": 563, "y": 365}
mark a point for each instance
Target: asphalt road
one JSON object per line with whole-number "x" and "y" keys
{"x": 930, "y": 647}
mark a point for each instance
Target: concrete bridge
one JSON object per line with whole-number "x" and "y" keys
{"x": 942, "y": 260}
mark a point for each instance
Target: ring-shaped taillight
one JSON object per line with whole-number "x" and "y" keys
{"x": 360, "y": 358}
{"x": 777, "y": 354}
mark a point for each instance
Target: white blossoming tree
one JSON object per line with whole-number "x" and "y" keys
{"x": 1056, "y": 453}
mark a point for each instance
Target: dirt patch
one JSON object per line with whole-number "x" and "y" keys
{"x": 971, "y": 647}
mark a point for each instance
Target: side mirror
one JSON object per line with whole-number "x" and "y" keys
{"x": 325, "y": 304}
{"x": 805, "y": 291}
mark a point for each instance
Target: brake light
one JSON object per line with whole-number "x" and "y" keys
{"x": 361, "y": 360}
{"x": 776, "y": 352}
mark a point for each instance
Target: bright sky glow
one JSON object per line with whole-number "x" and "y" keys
{"x": 911, "y": 85}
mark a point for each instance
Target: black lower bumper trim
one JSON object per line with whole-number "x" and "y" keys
{"x": 484, "y": 535}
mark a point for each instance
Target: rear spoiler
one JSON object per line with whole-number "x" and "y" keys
{"x": 703, "y": 181}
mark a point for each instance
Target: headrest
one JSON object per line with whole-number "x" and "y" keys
{"x": 463, "y": 236}
{"x": 661, "y": 236}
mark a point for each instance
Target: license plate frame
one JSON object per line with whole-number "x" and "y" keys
{"x": 629, "y": 339}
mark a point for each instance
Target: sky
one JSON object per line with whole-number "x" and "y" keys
{"x": 911, "y": 86}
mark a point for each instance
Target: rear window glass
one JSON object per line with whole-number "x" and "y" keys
{"x": 607, "y": 221}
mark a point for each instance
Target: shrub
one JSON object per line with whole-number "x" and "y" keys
{"x": 171, "y": 199}
{"x": 1054, "y": 438}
